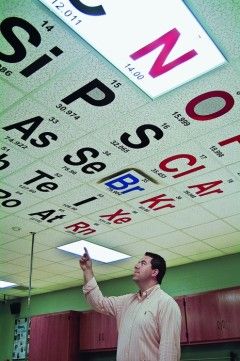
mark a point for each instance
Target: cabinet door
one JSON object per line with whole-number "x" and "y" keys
{"x": 203, "y": 315}
{"x": 213, "y": 316}
{"x": 54, "y": 337}
{"x": 181, "y": 303}
{"x": 87, "y": 331}
{"x": 97, "y": 331}
{"x": 108, "y": 332}
{"x": 229, "y": 304}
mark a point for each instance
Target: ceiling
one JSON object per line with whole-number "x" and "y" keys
{"x": 137, "y": 174}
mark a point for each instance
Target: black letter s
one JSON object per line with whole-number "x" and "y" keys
{"x": 6, "y": 28}
{"x": 142, "y": 135}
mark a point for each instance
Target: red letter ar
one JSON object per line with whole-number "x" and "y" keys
{"x": 168, "y": 40}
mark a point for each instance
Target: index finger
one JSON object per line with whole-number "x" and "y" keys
{"x": 86, "y": 251}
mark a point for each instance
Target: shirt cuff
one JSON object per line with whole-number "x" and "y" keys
{"x": 88, "y": 287}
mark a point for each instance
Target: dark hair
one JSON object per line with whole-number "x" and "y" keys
{"x": 159, "y": 263}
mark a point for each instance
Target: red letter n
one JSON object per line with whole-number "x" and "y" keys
{"x": 168, "y": 41}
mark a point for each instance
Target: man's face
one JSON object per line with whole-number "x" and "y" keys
{"x": 143, "y": 269}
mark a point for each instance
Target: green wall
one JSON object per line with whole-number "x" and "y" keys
{"x": 191, "y": 278}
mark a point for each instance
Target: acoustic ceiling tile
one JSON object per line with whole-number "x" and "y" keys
{"x": 123, "y": 273}
{"x": 189, "y": 217}
{"x": 178, "y": 261}
{"x": 194, "y": 248}
{"x": 10, "y": 94}
{"x": 224, "y": 241}
{"x": 231, "y": 250}
{"x": 210, "y": 229}
{"x": 13, "y": 160}
{"x": 20, "y": 278}
{"x": 206, "y": 255}
{"x": 18, "y": 227}
{"x": 37, "y": 262}
{"x": 23, "y": 246}
{"x": 113, "y": 239}
{"x": 210, "y": 13}
{"x": 6, "y": 255}
{"x": 57, "y": 269}
{"x": 8, "y": 268}
{"x": 54, "y": 255}
{"x": 138, "y": 248}
{"x": 76, "y": 273}
{"x": 5, "y": 238}
{"x": 235, "y": 169}
{"x": 234, "y": 221}
{"x": 53, "y": 238}
{"x": 224, "y": 207}
{"x": 148, "y": 228}
{"x": 102, "y": 268}
{"x": 168, "y": 255}
{"x": 172, "y": 239}
{"x": 129, "y": 263}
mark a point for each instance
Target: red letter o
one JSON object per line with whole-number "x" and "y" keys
{"x": 190, "y": 108}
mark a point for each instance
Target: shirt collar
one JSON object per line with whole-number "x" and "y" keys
{"x": 142, "y": 295}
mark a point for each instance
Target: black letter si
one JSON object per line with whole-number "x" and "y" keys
{"x": 81, "y": 156}
{"x": 6, "y": 28}
{"x": 142, "y": 136}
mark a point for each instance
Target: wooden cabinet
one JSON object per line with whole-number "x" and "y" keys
{"x": 54, "y": 337}
{"x": 97, "y": 331}
{"x": 181, "y": 303}
{"x": 213, "y": 316}
{"x": 229, "y": 305}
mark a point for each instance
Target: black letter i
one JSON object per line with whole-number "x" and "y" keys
{"x": 40, "y": 62}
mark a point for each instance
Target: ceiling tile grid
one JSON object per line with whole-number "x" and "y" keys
{"x": 85, "y": 154}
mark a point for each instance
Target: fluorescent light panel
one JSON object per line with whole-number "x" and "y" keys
{"x": 96, "y": 252}
{"x": 4, "y": 284}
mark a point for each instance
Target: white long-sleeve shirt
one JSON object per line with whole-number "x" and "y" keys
{"x": 149, "y": 325}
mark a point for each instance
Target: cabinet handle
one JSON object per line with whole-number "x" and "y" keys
{"x": 219, "y": 325}
{"x": 99, "y": 337}
{"x": 223, "y": 324}
{"x": 102, "y": 336}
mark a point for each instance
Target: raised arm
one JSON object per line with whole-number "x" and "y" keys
{"x": 108, "y": 305}
{"x": 86, "y": 266}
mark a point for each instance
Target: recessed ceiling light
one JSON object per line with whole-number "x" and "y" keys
{"x": 4, "y": 284}
{"x": 96, "y": 252}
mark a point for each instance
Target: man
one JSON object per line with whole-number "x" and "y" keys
{"x": 149, "y": 321}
